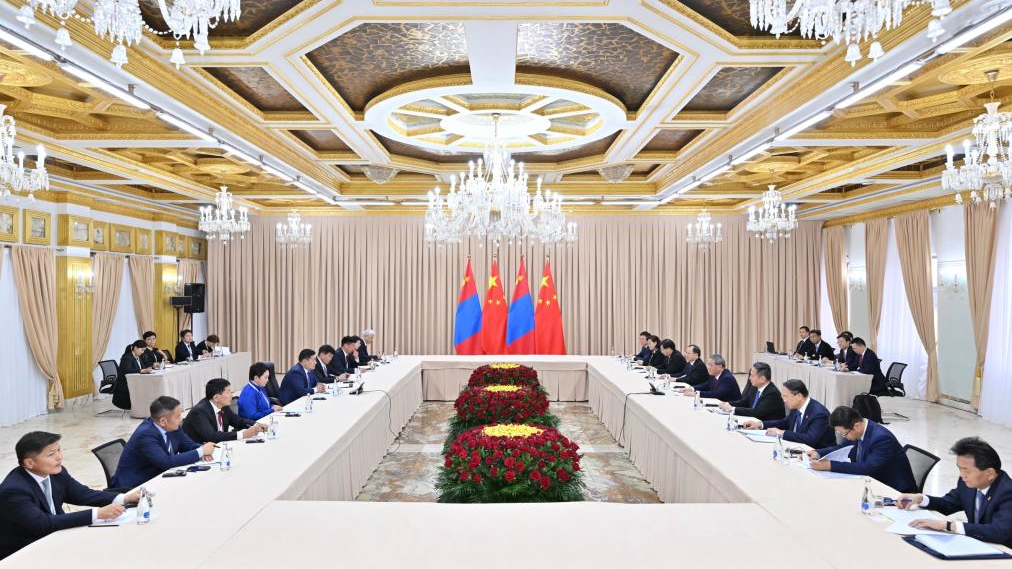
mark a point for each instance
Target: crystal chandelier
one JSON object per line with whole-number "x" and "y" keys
{"x": 987, "y": 167}
{"x": 120, "y": 22}
{"x": 849, "y": 22}
{"x": 704, "y": 233}
{"x": 14, "y": 178}
{"x": 221, "y": 221}
{"x": 294, "y": 233}
{"x": 773, "y": 219}
{"x": 491, "y": 201}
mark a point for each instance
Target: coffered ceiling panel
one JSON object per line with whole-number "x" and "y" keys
{"x": 785, "y": 165}
{"x": 208, "y": 166}
{"x": 671, "y": 140}
{"x": 432, "y": 155}
{"x": 321, "y": 140}
{"x": 608, "y": 55}
{"x": 257, "y": 87}
{"x": 729, "y": 87}
{"x": 595, "y": 148}
{"x": 730, "y": 15}
{"x": 371, "y": 58}
{"x": 255, "y": 15}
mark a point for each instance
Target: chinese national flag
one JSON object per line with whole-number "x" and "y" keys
{"x": 548, "y": 317}
{"x": 493, "y": 325}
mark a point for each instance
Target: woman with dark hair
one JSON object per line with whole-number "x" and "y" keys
{"x": 129, "y": 363}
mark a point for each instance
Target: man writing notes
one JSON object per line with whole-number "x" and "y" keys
{"x": 323, "y": 357}
{"x": 983, "y": 493}
{"x": 300, "y": 380}
{"x": 695, "y": 373}
{"x": 343, "y": 363}
{"x": 212, "y": 417}
{"x": 674, "y": 361}
{"x": 874, "y": 451}
{"x": 846, "y": 357}
{"x": 722, "y": 383}
{"x": 157, "y": 445}
{"x": 760, "y": 398}
{"x": 207, "y": 347}
{"x": 129, "y": 363}
{"x": 807, "y": 423}
{"x": 868, "y": 362}
{"x": 34, "y": 492}
{"x": 254, "y": 402}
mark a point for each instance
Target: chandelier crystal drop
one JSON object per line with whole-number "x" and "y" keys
{"x": 222, "y": 221}
{"x": 987, "y": 165}
{"x": 773, "y": 219}
{"x": 491, "y": 201}
{"x": 704, "y": 233}
{"x": 847, "y": 22}
{"x": 14, "y": 177}
{"x": 120, "y": 22}
{"x": 294, "y": 233}
{"x": 195, "y": 18}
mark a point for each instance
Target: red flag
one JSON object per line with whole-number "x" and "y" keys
{"x": 493, "y": 325}
{"x": 548, "y": 317}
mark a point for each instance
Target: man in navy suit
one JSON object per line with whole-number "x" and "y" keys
{"x": 760, "y": 398}
{"x": 804, "y": 346}
{"x": 343, "y": 363}
{"x": 644, "y": 354}
{"x": 186, "y": 349}
{"x": 868, "y": 362}
{"x": 722, "y": 384}
{"x": 847, "y": 357}
{"x": 34, "y": 492}
{"x": 674, "y": 361}
{"x": 300, "y": 380}
{"x": 807, "y": 423}
{"x": 695, "y": 373}
{"x": 983, "y": 493}
{"x": 874, "y": 451}
{"x": 157, "y": 445}
{"x": 324, "y": 355}
{"x": 368, "y": 337}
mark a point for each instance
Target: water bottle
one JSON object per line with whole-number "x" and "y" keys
{"x": 309, "y": 403}
{"x": 272, "y": 428}
{"x": 731, "y": 425}
{"x": 836, "y": 365}
{"x": 226, "y": 456}
{"x": 395, "y": 353}
{"x": 778, "y": 451}
{"x": 866, "y": 498}
{"x": 697, "y": 402}
{"x": 144, "y": 507}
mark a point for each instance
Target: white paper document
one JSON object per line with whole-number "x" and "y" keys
{"x": 839, "y": 455}
{"x": 125, "y": 518}
{"x": 758, "y": 436}
{"x": 957, "y": 545}
{"x": 901, "y": 521}
{"x": 831, "y": 474}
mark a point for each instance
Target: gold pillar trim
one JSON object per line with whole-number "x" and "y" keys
{"x": 74, "y": 359}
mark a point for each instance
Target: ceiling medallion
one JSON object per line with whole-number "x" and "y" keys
{"x": 379, "y": 174}
{"x": 617, "y": 173}
{"x": 849, "y": 22}
{"x": 987, "y": 167}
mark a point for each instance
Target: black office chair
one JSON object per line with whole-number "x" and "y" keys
{"x": 894, "y": 380}
{"x": 273, "y": 388}
{"x": 110, "y": 371}
{"x": 235, "y": 405}
{"x": 108, "y": 456}
{"x": 921, "y": 462}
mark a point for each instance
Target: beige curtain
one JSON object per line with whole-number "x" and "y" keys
{"x": 876, "y": 239}
{"x": 624, "y": 275}
{"x": 108, "y": 276}
{"x": 913, "y": 239}
{"x": 188, "y": 269}
{"x": 35, "y": 279}
{"x": 980, "y": 242}
{"x": 142, "y": 279}
{"x": 835, "y": 242}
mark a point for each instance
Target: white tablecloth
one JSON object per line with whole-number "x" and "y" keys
{"x": 564, "y": 377}
{"x": 186, "y": 382}
{"x": 832, "y": 388}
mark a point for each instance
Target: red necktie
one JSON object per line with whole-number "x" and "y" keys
{"x": 860, "y": 361}
{"x": 221, "y": 421}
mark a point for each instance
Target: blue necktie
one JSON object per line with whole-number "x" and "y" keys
{"x": 979, "y": 509}
{"x": 756, "y": 400}
{"x": 168, "y": 444}
{"x": 47, "y": 489}
{"x": 797, "y": 422}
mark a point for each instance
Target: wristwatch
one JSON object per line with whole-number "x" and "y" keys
{"x": 948, "y": 526}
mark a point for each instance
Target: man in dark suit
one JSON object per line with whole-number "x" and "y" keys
{"x": 874, "y": 451}
{"x": 819, "y": 350}
{"x": 846, "y": 357}
{"x": 212, "y": 417}
{"x": 644, "y": 353}
{"x": 807, "y": 423}
{"x": 760, "y": 398}
{"x": 674, "y": 361}
{"x": 129, "y": 363}
{"x": 722, "y": 383}
{"x": 157, "y": 445}
{"x": 34, "y": 492}
{"x": 368, "y": 337}
{"x": 186, "y": 349}
{"x": 695, "y": 373}
{"x": 300, "y": 380}
{"x": 804, "y": 346}
{"x": 342, "y": 365}
{"x": 206, "y": 348}
{"x": 152, "y": 357}
{"x": 868, "y": 362}
{"x": 983, "y": 493}
{"x": 324, "y": 355}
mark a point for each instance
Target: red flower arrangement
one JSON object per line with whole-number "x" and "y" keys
{"x": 504, "y": 374}
{"x": 499, "y": 404}
{"x": 511, "y": 463}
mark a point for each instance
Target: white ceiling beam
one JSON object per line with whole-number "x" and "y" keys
{"x": 492, "y": 52}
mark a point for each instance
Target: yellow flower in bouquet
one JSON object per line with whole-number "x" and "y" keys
{"x": 511, "y": 430}
{"x": 504, "y": 366}
{"x": 500, "y": 388}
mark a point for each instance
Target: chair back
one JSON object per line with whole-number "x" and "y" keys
{"x": 110, "y": 371}
{"x": 894, "y": 379}
{"x": 108, "y": 456}
{"x": 921, "y": 462}
{"x": 273, "y": 388}
{"x": 235, "y": 405}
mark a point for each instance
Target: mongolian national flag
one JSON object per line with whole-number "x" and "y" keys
{"x": 467, "y": 325}
{"x": 493, "y": 326}
{"x": 548, "y": 317}
{"x": 520, "y": 327}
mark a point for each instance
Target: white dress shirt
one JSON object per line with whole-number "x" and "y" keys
{"x": 41, "y": 481}
{"x": 957, "y": 527}
{"x": 222, "y": 427}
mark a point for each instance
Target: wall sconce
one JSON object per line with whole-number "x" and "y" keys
{"x": 83, "y": 283}
{"x": 174, "y": 288}
{"x": 856, "y": 279}
{"x": 950, "y": 283}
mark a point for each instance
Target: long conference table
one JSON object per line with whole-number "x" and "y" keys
{"x": 832, "y": 388}
{"x": 186, "y": 382}
{"x": 286, "y": 503}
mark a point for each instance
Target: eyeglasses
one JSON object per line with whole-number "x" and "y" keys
{"x": 845, "y": 433}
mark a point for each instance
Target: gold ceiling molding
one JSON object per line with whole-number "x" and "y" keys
{"x": 451, "y": 80}
{"x": 893, "y": 211}
{"x": 758, "y": 42}
{"x": 266, "y": 117}
{"x": 77, "y": 195}
{"x": 540, "y": 80}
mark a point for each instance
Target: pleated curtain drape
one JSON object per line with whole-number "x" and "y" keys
{"x": 981, "y": 229}
{"x": 876, "y": 241}
{"x": 142, "y": 278}
{"x": 188, "y": 270}
{"x": 35, "y": 279}
{"x": 106, "y": 282}
{"x": 913, "y": 239}
{"x": 834, "y": 241}
{"x": 624, "y": 275}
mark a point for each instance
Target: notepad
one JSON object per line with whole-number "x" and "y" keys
{"x": 124, "y": 518}
{"x": 950, "y": 545}
{"x": 758, "y": 436}
{"x": 901, "y": 521}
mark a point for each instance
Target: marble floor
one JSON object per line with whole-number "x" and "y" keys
{"x": 407, "y": 473}
{"x": 932, "y": 427}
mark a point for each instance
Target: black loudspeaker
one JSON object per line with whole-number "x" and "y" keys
{"x": 196, "y": 293}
